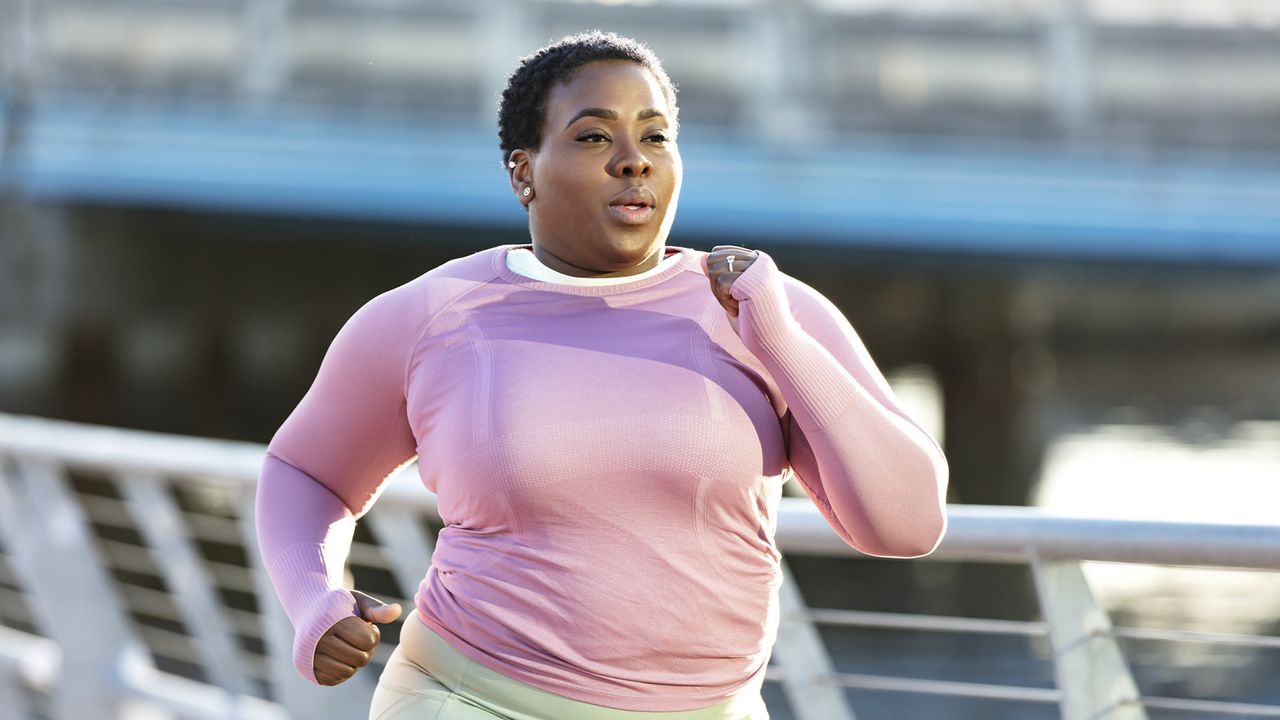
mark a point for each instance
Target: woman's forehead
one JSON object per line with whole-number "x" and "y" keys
{"x": 619, "y": 85}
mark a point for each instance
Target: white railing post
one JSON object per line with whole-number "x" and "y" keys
{"x": 158, "y": 517}
{"x": 54, "y": 556}
{"x": 11, "y": 697}
{"x": 26, "y": 662}
{"x": 1091, "y": 670}
{"x": 807, "y": 670}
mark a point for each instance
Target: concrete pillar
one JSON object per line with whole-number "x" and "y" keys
{"x": 501, "y": 28}
{"x": 1068, "y": 51}
{"x": 19, "y": 39}
{"x": 266, "y": 50}
{"x": 35, "y": 249}
{"x": 994, "y": 371}
{"x": 775, "y": 47}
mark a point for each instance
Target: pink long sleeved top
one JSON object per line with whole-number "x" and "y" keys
{"x": 607, "y": 461}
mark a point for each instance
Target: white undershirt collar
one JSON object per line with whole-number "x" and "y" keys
{"x": 522, "y": 261}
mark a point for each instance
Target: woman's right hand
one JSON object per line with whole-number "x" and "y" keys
{"x": 348, "y": 645}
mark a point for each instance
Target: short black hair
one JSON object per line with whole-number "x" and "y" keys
{"x": 523, "y": 107}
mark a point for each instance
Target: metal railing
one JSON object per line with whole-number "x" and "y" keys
{"x": 130, "y": 587}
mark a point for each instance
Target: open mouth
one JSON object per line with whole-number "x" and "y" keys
{"x": 632, "y": 213}
{"x": 633, "y": 206}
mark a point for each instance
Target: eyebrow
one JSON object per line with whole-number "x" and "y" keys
{"x": 608, "y": 114}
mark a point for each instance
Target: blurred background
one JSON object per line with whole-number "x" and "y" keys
{"x": 1055, "y": 223}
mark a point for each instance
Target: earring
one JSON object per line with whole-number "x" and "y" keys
{"x": 511, "y": 163}
{"x": 527, "y": 191}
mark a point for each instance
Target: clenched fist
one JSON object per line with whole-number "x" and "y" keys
{"x": 723, "y": 265}
{"x": 348, "y": 645}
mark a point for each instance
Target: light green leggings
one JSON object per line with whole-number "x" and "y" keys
{"x": 426, "y": 679}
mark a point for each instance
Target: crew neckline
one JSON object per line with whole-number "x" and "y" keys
{"x": 687, "y": 256}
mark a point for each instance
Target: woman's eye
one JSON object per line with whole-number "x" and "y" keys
{"x": 593, "y": 137}
{"x": 658, "y": 137}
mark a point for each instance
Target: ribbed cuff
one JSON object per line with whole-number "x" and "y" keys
{"x": 768, "y": 329}
{"x": 327, "y": 610}
{"x": 313, "y": 599}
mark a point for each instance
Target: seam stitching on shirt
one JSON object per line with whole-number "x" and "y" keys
{"x": 417, "y": 340}
{"x": 482, "y": 356}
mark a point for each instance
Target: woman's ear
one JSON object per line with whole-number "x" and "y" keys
{"x": 520, "y": 168}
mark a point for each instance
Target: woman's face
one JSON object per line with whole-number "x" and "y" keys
{"x": 606, "y": 179}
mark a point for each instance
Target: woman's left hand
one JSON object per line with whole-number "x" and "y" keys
{"x": 723, "y": 265}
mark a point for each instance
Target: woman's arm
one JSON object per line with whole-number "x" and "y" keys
{"x": 877, "y": 477}
{"x": 326, "y": 465}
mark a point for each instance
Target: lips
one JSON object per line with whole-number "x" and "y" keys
{"x": 633, "y": 206}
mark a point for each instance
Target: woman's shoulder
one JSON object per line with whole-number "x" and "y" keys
{"x": 424, "y": 296}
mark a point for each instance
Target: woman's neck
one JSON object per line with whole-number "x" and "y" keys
{"x": 522, "y": 261}
{"x": 560, "y": 265}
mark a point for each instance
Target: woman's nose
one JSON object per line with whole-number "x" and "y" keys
{"x": 632, "y": 163}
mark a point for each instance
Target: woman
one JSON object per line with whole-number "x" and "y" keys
{"x": 607, "y": 423}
